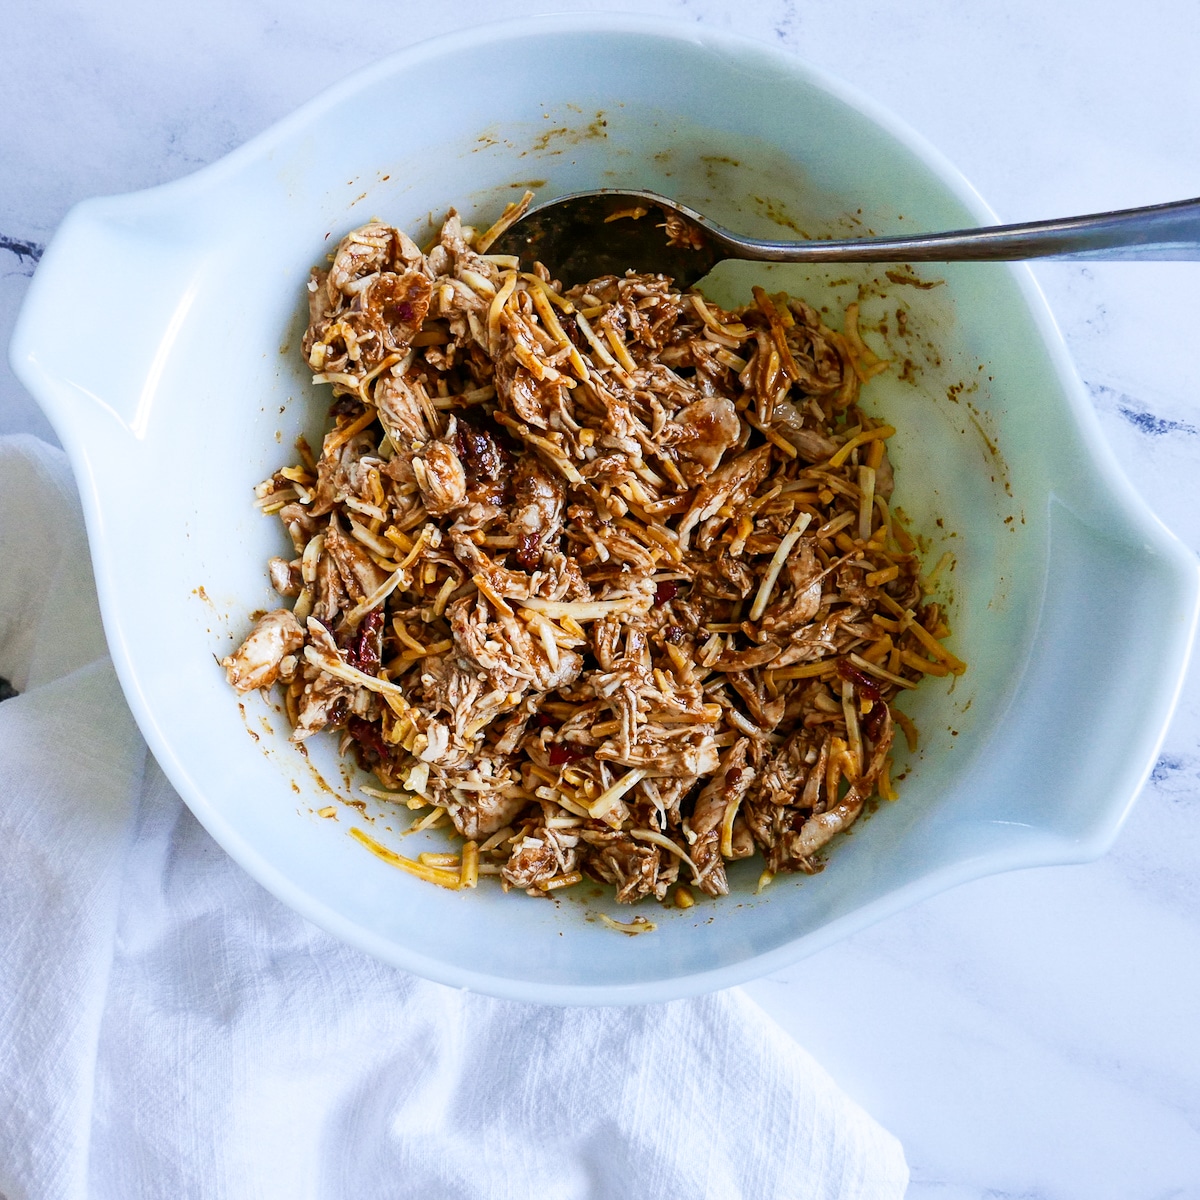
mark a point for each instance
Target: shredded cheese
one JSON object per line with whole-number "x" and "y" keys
{"x": 879, "y": 672}
{"x": 859, "y": 439}
{"x": 606, "y": 801}
{"x": 508, "y": 286}
{"x": 377, "y": 597}
{"x": 469, "y": 872}
{"x": 512, "y": 213}
{"x": 637, "y": 925}
{"x": 352, "y": 675}
{"x": 661, "y": 839}
{"x": 561, "y": 881}
{"x": 585, "y": 610}
{"x": 339, "y": 437}
{"x": 905, "y": 723}
{"x": 789, "y": 540}
{"x": 727, "y": 827}
{"x": 446, "y": 879}
{"x": 866, "y": 506}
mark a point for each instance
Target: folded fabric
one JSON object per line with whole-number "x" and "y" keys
{"x": 169, "y": 1029}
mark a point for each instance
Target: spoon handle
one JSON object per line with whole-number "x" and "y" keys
{"x": 1161, "y": 231}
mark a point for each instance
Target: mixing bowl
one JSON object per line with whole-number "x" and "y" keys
{"x": 161, "y": 336}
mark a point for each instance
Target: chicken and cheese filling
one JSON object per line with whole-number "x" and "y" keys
{"x": 606, "y": 578}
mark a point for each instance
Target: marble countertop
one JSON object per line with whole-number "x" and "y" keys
{"x": 1032, "y": 1035}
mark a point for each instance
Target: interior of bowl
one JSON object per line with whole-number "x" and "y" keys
{"x": 991, "y": 466}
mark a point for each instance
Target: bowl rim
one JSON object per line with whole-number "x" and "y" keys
{"x": 40, "y": 382}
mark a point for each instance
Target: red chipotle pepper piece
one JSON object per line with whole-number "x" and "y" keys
{"x": 872, "y": 723}
{"x": 861, "y": 680}
{"x": 666, "y": 591}
{"x": 367, "y": 736}
{"x": 529, "y": 551}
{"x": 363, "y": 649}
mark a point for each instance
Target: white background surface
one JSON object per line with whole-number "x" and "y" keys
{"x": 1034, "y": 1035}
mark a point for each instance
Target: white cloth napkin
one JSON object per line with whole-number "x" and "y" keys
{"x": 168, "y": 1029}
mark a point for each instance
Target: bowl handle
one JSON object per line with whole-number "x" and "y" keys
{"x": 116, "y": 264}
{"x": 1088, "y": 723}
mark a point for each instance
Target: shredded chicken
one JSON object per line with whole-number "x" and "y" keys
{"x": 610, "y": 576}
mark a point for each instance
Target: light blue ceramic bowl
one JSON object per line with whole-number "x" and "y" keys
{"x": 160, "y": 336}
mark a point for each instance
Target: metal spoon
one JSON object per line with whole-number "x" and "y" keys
{"x": 607, "y": 232}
